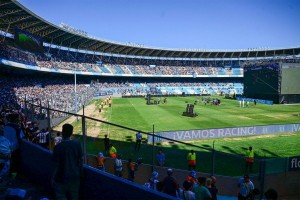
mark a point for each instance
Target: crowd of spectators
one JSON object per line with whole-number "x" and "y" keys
{"x": 62, "y": 59}
{"x": 128, "y": 88}
{"x": 58, "y": 94}
{"x": 12, "y": 53}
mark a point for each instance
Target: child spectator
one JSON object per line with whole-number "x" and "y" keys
{"x": 153, "y": 181}
{"x": 131, "y": 169}
{"x": 100, "y": 161}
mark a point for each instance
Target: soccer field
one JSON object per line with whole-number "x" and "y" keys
{"x": 134, "y": 113}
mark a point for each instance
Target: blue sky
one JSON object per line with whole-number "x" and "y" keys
{"x": 192, "y": 24}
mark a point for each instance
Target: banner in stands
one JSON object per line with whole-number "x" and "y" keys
{"x": 224, "y": 132}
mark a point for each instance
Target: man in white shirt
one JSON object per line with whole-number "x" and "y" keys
{"x": 138, "y": 141}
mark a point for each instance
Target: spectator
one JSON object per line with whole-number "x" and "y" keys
{"x": 112, "y": 151}
{"x": 160, "y": 158}
{"x": 249, "y": 159}
{"x": 201, "y": 192}
{"x": 118, "y": 166}
{"x": 67, "y": 157}
{"x": 30, "y": 131}
{"x": 186, "y": 193}
{"x": 245, "y": 188}
{"x": 100, "y": 161}
{"x": 170, "y": 184}
{"x": 212, "y": 190}
{"x": 153, "y": 181}
{"x": 106, "y": 144}
{"x": 138, "y": 141}
{"x": 57, "y": 138}
{"x": 42, "y": 138}
{"x": 214, "y": 187}
{"x": 5, "y": 154}
{"x": 12, "y": 131}
{"x": 131, "y": 169}
{"x": 192, "y": 178}
{"x": 191, "y": 159}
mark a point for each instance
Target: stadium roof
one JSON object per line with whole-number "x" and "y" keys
{"x": 13, "y": 14}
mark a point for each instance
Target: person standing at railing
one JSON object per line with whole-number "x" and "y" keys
{"x": 68, "y": 160}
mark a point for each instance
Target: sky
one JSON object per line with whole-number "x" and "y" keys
{"x": 180, "y": 24}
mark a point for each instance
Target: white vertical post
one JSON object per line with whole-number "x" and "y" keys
{"x": 76, "y": 110}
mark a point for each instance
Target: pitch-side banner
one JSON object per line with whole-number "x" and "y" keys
{"x": 294, "y": 163}
{"x": 224, "y": 132}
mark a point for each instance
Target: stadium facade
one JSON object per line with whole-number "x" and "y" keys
{"x": 34, "y": 52}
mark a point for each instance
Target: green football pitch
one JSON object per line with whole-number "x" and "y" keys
{"x": 135, "y": 114}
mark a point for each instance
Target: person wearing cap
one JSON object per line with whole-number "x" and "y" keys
{"x": 152, "y": 183}
{"x": 170, "y": 184}
{"x": 100, "y": 161}
{"x": 192, "y": 178}
{"x": 68, "y": 166}
{"x": 191, "y": 159}
{"x": 245, "y": 188}
{"x": 249, "y": 159}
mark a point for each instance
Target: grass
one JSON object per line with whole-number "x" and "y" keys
{"x": 135, "y": 114}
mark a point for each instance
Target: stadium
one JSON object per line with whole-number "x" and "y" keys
{"x": 214, "y": 102}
